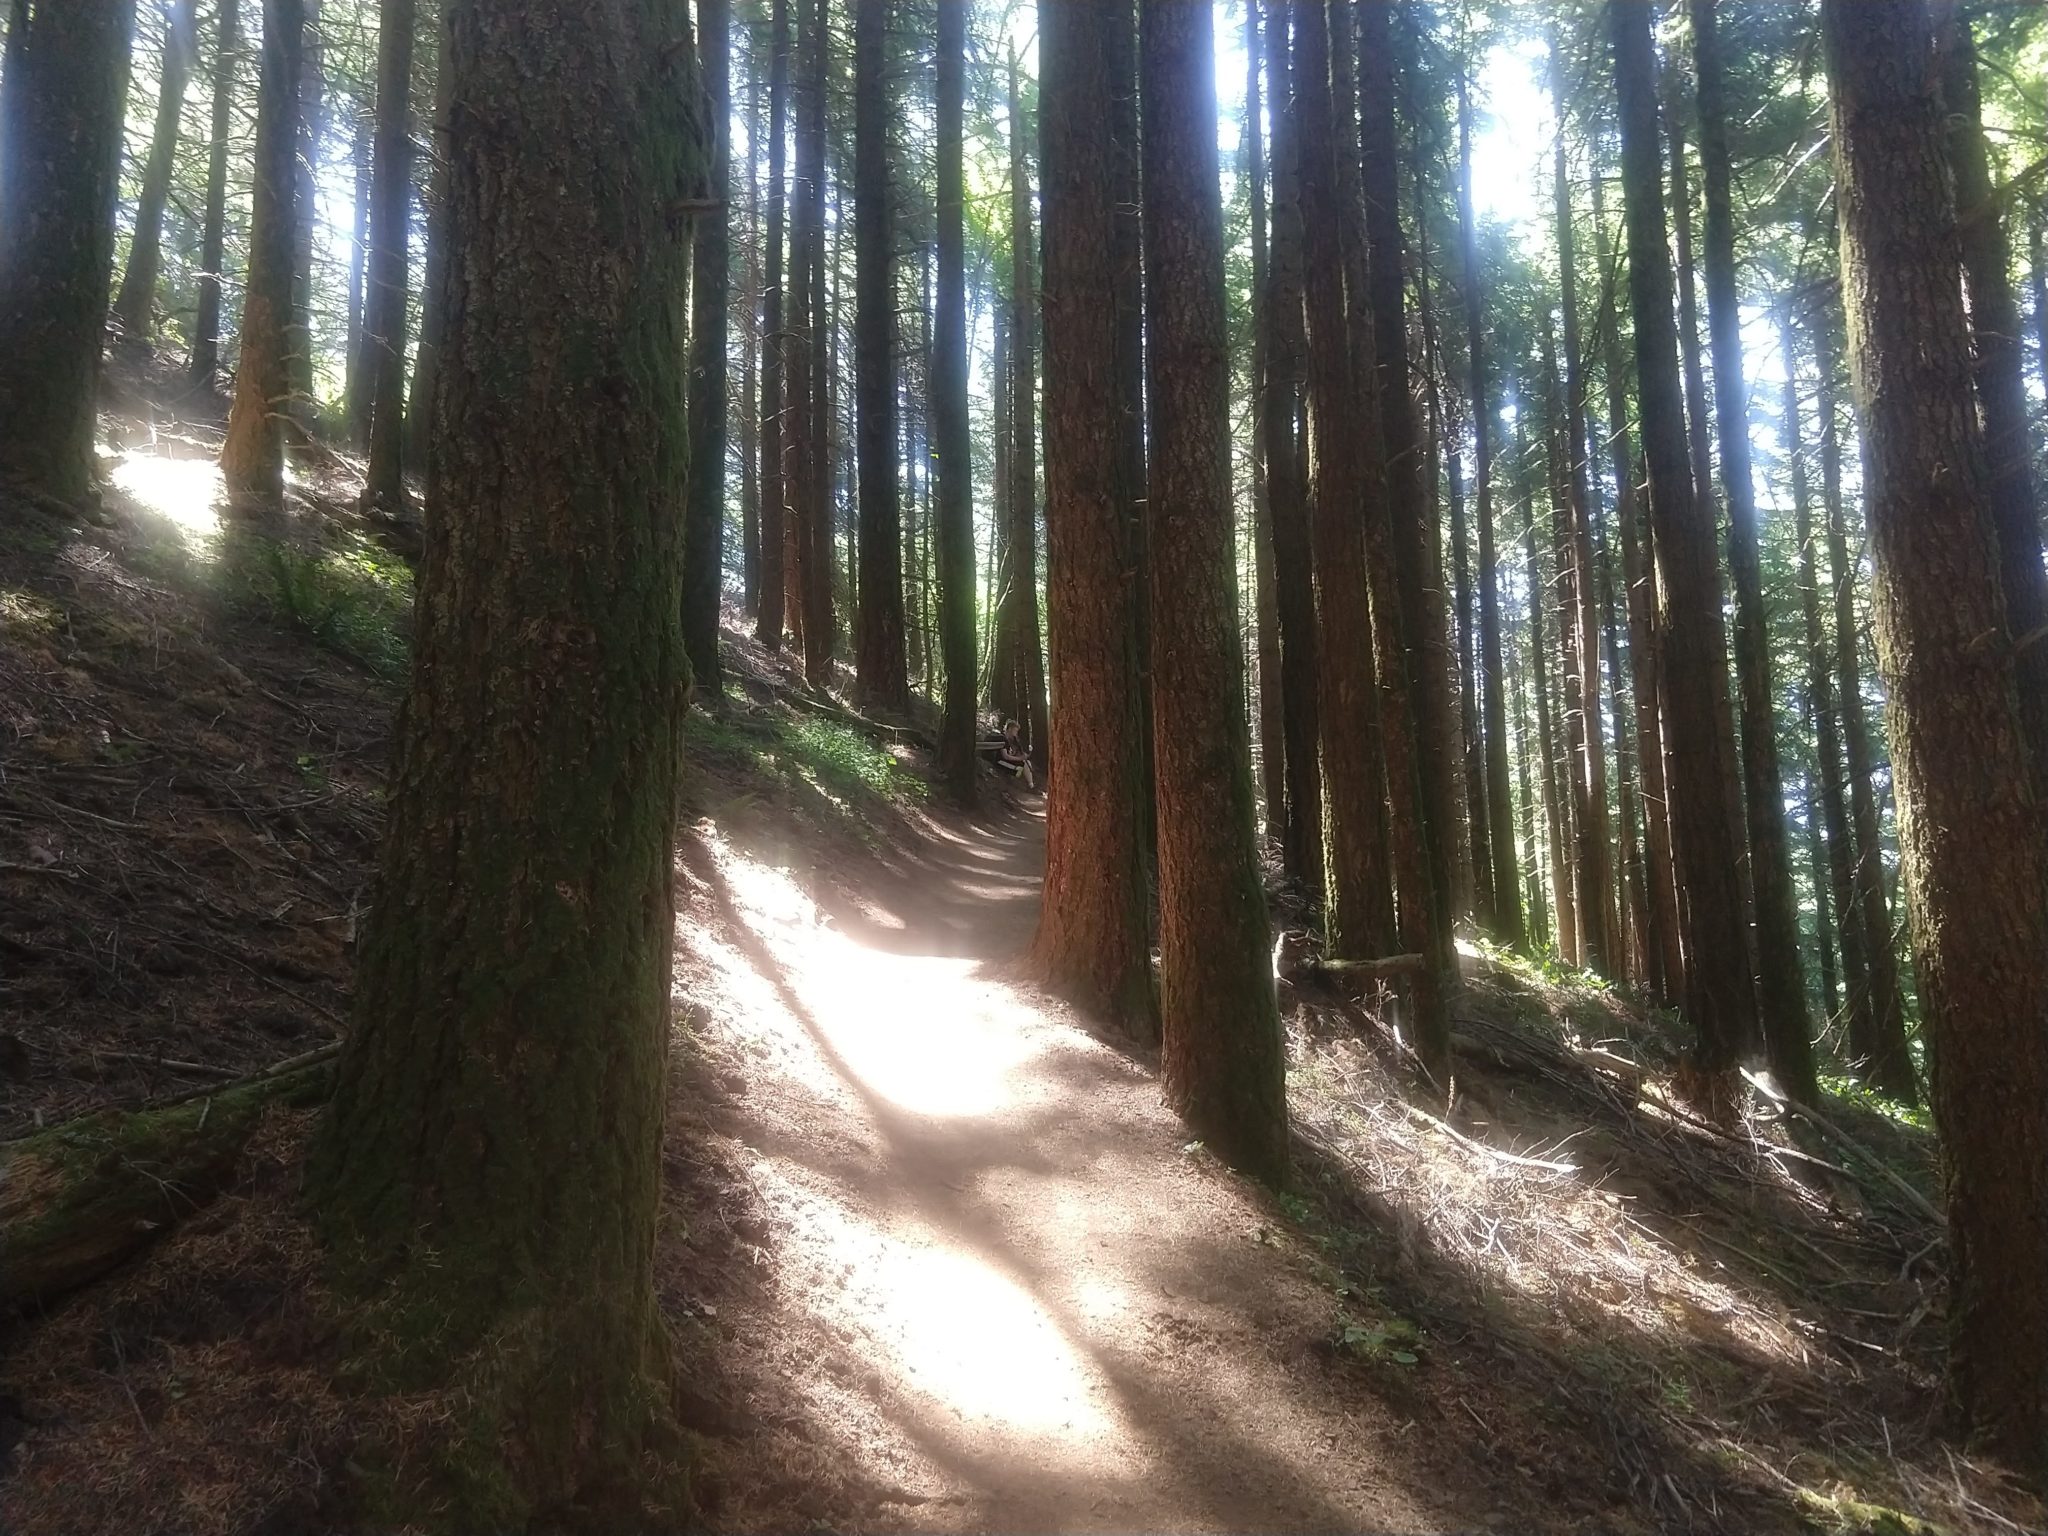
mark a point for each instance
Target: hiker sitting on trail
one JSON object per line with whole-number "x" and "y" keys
{"x": 1009, "y": 756}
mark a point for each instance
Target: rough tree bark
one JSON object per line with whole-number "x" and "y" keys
{"x": 1780, "y": 980}
{"x": 252, "y": 455}
{"x": 489, "y": 1173}
{"x": 1092, "y": 943}
{"x": 66, "y": 108}
{"x": 1222, "y": 1057}
{"x": 774, "y": 453}
{"x": 1971, "y": 832}
{"x": 134, "y": 312}
{"x": 710, "y": 295}
{"x": 881, "y": 671}
{"x": 1720, "y": 999}
{"x": 1358, "y": 908}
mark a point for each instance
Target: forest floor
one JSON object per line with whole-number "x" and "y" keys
{"x": 934, "y": 1254}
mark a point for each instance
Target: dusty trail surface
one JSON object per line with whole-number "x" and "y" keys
{"x": 978, "y": 1265}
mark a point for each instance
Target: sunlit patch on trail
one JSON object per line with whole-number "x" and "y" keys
{"x": 933, "y": 1319}
{"x": 186, "y": 492}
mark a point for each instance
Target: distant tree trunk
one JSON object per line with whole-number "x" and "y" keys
{"x": 418, "y": 422}
{"x": 311, "y": 128}
{"x": 1409, "y": 503}
{"x": 391, "y": 195}
{"x": 1594, "y": 864}
{"x": 1634, "y": 887}
{"x": 809, "y": 465}
{"x": 1539, "y": 914}
{"x": 1877, "y": 1020}
{"x": 134, "y": 313}
{"x": 1564, "y": 794}
{"x": 954, "y": 494}
{"x": 13, "y": 106}
{"x": 1564, "y": 899}
{"x": 1265, "y": 589}
{"x": 2001, "y": 389}
{"x": 1005, "y": 694}
{"x": 1358, "y": 907}
{"x": 1091, "y": 943}
{"x": 205, "y": 362}
{"x": 1301, "y": 835}
{"x": 1507, "y": 898}
{"x": 252, "y": 456}
{"x": 66, "y": 90}
{"x": 1720, "y": 999}
{"x": 1820, "y": 692}
{"x": 748, "y": 419}
{"x": 710, "y": 295}
{"x": 1972, "y": 838}
{"x": 774, "y": 400}
{"x": 2037, "y": 279}
{"x": 1781, "y": 987}
{"x": 1022, "y": 593}
{"x": 882, "y": 672}
{"x": 489, "y": 1172}
{"x": 1661, "y": 924}
{"x": 362, "y": 357}
{"x": 1222, "y": 1058}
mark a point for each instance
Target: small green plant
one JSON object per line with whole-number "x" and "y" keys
{"x": 1392, "y": 1339}
{"x": 354, "y": 600}
{"x": 843, "y": 761}
{"x": 1854, "y": 1092}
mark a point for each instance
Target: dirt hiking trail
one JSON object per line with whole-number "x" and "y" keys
{"x": 999, "y": 1288}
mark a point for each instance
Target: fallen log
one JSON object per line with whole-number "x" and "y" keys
{"x": 82, "y": 1197}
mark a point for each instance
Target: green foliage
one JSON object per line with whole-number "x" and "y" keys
{"x": 354, "y": 600}
{"x": 1849, "y": 1090}
{"x": 1393, "y": 1340}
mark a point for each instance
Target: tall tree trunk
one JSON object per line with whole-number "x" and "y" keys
{"x": 66, "y": 93}
{"x": 134, "y": 313}
{"x": 1507, "y": 898}
{"x": 362, "y": 359}
{"x": 954, "y": 494}
{"x": 312, "y": 133}
{"x": 1877, "y": 1022}
{"x": 13, "y": 106}
{"x": 432, "y": 188}
{"x": 1582, "y": 904}
{"x": 1667, "y": 965}
{"x": 252, "y": 455}
{"x": 390, "y": 259}
{"x": 1781, "y": 987}
{"x": 1972, "y": 839}
{"x": 1301, "y": 836}
{"x": 882, "y": 672}
{"x": 1634, "y": 888}
{"x": 1720, "y": 1000}
{"x": 489, "y": 1173}
{"x": 1595, "y": 860}
{"x": 1222, "y": 1056}
{"x": 748, "y": 419}
{"x": 1358, "y": 910}
{"x": 1563, "y": 896}
{"x": 1539, "y": 934}
{"x": 1027, "y": 651}
{"x": 1091, "y": 943}
{"x": 205, "y": 362}
{"x": 1820, "y": 692}
{"x": 710, "y": 297}
{"x": 1265, "y": 589}
{"x": 810, "y": 466}
{"x": 2001, "y": 389}
{"x": 774, "y": 324}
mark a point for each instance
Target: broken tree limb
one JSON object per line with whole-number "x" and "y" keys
{"x": 79, "y": 1199}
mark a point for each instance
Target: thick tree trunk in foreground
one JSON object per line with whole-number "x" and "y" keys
{"x": 391, "y": 176}
{"x": 489, "y": 1173}
{"x": 1092, "y": 941}
{"x": 252, "y": 456}
{"x": 953, "y": 497}
{"x": 1222, "y": 1059}
{"x": 134, "y": 313}
{"x": 774, "y": 456}
{"x": 881, "y": 670}
{"x": 1720, "y": 1000}
{"x": 2001, "y": 390}
{"x": 205, "y": 361}
{"x": 1294, "y": 597}
{"x": 1780, "y": 981}
{"x": 66, "y": 117}
{"x": 710, "y": 293}
{"x": 1971, "y": 833}
{"x": 1358, "y": 904}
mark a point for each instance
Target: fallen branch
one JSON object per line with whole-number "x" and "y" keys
{"x": 1388, "y": 965}
{"x": 1513, "y": 1159}
{"x": 1849, "y": 1145}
